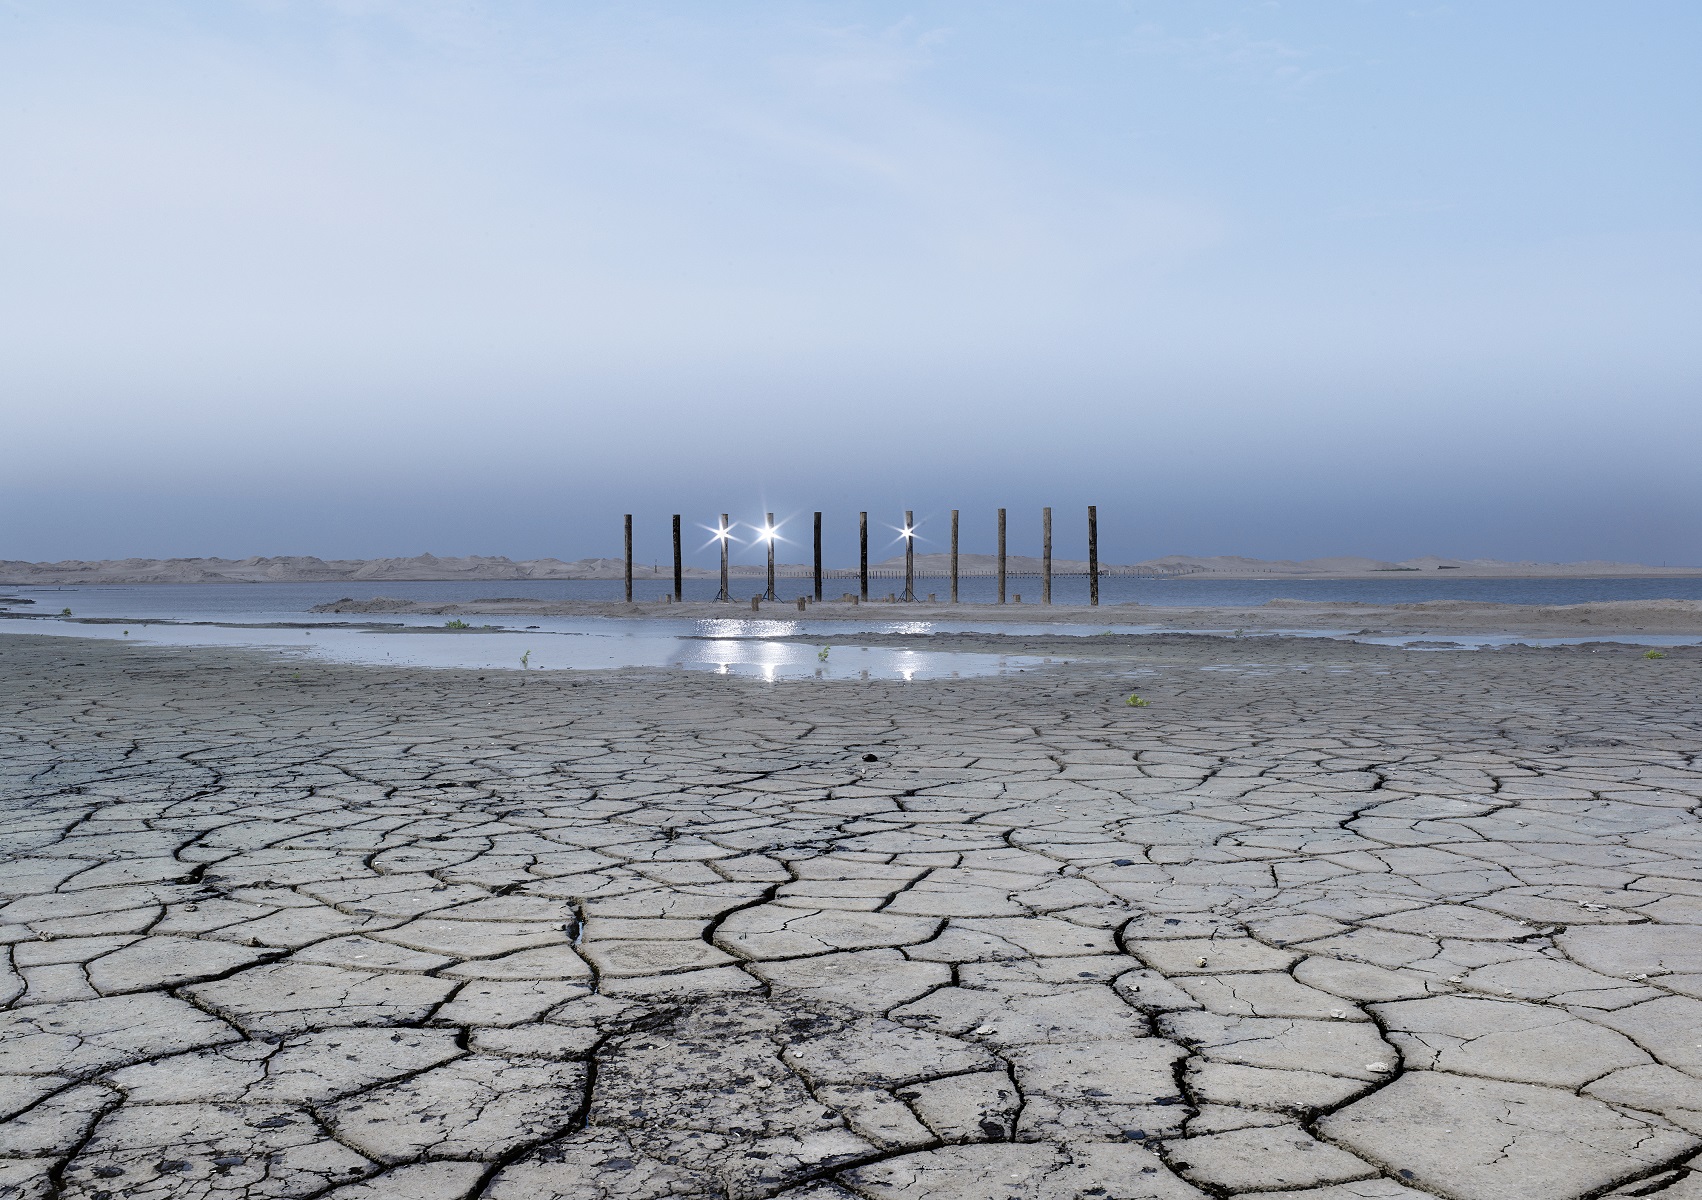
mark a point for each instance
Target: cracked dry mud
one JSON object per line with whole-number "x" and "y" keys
{"x": 1326, "y": 920}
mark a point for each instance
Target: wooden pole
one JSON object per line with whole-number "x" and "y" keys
{"x": 769, "y": 595}
{"x": 1046, "y": 555}
{"x": 863, "y": 555}
{"x": 818, "y": 558}
{"x": 629, "y": 558}
{"x": 1001, "y": 556}
{"x": 909, "y": 556}
{"x": 1093, "y": 554}
{"x": 725, "y": 594}
{"x": 954, "y": 556}
{"x": 679, "y": 564}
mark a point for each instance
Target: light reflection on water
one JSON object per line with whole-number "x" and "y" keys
{"x": 733, "y": 645}
{"x": 542, "y": 650}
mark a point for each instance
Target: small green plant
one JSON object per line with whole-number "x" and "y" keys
{"x": 456, "y": 623}
{"x": 64, "y": 612}
{"x": 1137, "y": 702}
{"x": 1653, "y": 654}
{"x": 822, "y": 653}
{"x": 526, "y": 660}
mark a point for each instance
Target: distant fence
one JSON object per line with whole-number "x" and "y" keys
{"x": 768, "y": 533}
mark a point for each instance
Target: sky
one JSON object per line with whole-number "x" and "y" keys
{"x": 372, "y": 277}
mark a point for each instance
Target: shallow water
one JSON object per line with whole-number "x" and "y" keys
{"x": 543, "y": 650}
{"x": 767, "y": 649}
{"x": 238, "y": 615}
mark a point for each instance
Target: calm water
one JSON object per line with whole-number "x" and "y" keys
{"x": 614, "y": 644}
{"x": 765, "y": 647}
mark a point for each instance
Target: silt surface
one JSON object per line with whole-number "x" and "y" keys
{"x": 1321, "y": 919}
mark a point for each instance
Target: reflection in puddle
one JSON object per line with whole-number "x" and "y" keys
{"x": 726, "y": 645}
{"x": 548, "y": 651}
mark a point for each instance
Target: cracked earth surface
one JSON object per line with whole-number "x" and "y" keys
{"x": 1326, "y": 920}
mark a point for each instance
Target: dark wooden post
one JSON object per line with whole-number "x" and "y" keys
{"x": 1046, "y": 555}
{"x": 909, "y": 556}
{"x": 1001, "y": 556}
{"x": 629, "y": 558}
{"x": 818, "y": 558}
{"x": 769, "y": 595}
{"x": 679, "y": 564}
{"x": 954, "y": 556}
{"x": 1093, "y": 554}
{"x": 724, "y": 535}
{"x": 863, "y": 555}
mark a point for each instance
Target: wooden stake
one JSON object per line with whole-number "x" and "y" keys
{"x": 769, "y": 595}
{"x": 954, "y": 556}
{"x": 725, "y": 596}
{"x": 679, "y": 564}
{"x": 1046, "y": 555}
{"x": 629, "y": 558}
{"x": 818, "y": 558}
{"x": 863, "y": 556}
{"x": 1001, "y": 556}
{"x": 1093, "y": 554}
{"x": 909, "y": 557}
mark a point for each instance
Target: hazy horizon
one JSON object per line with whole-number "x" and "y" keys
{"x": 362, "y": 278}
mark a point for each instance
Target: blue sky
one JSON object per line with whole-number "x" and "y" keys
{"x": 1286, "y": 279}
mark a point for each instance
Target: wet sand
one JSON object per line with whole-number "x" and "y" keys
{"x": 1324, "y": 919}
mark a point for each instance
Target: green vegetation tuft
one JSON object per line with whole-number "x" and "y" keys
{"x": 1653, "y": 654}
{"x": 64, "y": 612}
{"x": 1137, "y": 702}
{"x": 456, "y": 623}
{"x": 822, "y": 653}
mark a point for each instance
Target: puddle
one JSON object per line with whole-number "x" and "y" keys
{"x": 546, "y": 650}
{"x": 727, "y": 645}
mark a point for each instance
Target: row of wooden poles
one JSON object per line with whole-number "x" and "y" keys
{"x": 724, "y": 532}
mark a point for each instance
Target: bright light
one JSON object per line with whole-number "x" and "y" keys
{"x": 767, "y": 533}
{"x": 907, "y": 533}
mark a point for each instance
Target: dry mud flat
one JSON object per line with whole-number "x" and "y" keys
{"x": 1325, "y": 920}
